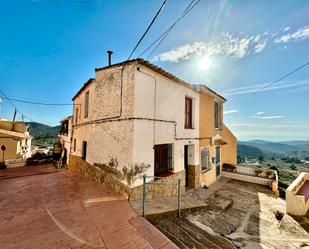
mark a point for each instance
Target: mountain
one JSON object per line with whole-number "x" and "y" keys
{"x": 299, "y": 149}
{"x": 42, "y": 133}
{"x": 248, "y": 150}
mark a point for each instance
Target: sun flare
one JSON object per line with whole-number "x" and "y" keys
{"x": 204, "y": 63}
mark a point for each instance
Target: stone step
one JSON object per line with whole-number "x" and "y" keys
{"x": 205, "y": 238}
{"x": 178, "y": 235}
{"x": 173, "y": 238}
{"x": 187, "y": 235}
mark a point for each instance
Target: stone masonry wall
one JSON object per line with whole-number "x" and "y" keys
{"x": 194, "y": 176}
{"x": 109, "y": 181}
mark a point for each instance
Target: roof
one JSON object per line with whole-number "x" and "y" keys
{"x": 14, "y": 134}
{"x": 158, "y": 70}
{"x": 66, "y": 118}
{"x": 87, "y": 83}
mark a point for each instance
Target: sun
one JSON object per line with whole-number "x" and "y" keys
{"x": 204, "y": 63}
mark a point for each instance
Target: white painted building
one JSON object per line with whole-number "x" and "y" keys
{"x": 137, "y": 113}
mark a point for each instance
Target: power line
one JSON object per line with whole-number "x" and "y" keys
{"x": 36, "y": 103}
{"x": 16, "y": 108}
{"x": 164, "y": 35}
{"x": 148, "y": 28}
{"x": 275, "y": 81}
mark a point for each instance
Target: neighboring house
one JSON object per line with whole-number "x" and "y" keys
{"x": 65, "y": 137}
{"x": 137, "y": 114}
{"x": 16, "y": 139}
{"x": 217, "y": 143}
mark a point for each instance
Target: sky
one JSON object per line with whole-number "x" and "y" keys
{"x": 49, "y": 48}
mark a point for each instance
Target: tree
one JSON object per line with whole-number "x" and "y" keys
{"x": 240, "y": 159}
{"x": 261, "y": 159}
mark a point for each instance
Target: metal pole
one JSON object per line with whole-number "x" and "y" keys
{"x": 144, "y": 194}
{"x": 178, "y": 199}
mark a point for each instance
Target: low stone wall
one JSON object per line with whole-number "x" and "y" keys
{"x": 297, "y": 204}
{"x": 248, "y": 174}
{"x": 164, "y": 187}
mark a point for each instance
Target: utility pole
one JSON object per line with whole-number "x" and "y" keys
{"x": 14, "y": 119}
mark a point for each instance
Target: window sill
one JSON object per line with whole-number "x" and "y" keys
{"x": 188, "y": 128}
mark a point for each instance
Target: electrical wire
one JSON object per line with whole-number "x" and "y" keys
{"x": 274, "y": 82}
{"x": 164, "y": 34}
{"x": 16, "y": 108}
{"x": 148, "y": 28}
{"x": 37, "y": 103}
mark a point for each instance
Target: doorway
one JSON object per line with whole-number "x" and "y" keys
{"x": 218, "y": 161}
{"x": 163, "y": 160}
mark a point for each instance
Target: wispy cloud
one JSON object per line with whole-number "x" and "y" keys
{"x": 226, "y": 44}
{"x": 286, "y": 29}
{"x": 230, "y": 112}
{"x": 233, "y": 45}
{"x": 259, "y": 113}
{"x": 271, "y": 117}
{"x": 299, "y": 35}
{"x": 253, "y": 88}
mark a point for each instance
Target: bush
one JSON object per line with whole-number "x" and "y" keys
{"x": 293, "y": 167}
{"x": 281, "y": 192}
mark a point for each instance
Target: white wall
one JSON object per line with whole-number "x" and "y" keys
{"x": 158, "y": 97}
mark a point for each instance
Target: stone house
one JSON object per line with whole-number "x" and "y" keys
{"x": 137, "y": 114}
{"x": 15, "y": 137}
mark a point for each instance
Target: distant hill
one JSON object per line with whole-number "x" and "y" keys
{"x": 298, "y": 149}
{"x": 247, "y": 150}
{"x": 43, "y": 134}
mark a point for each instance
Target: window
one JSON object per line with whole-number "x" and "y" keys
{"x": 188, "y": 113}
{"x": 84, "y": 150}
{"x": 74, "y": 144}
{"x": 86, "y": 104}
{"x": 76, "y": 116}
{"x": 218, "y": 114}
{"x": 205, "y": 159}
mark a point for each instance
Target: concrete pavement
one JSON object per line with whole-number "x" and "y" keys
{"x": 44, "y": 208}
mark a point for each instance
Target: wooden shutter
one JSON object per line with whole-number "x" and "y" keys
{"x": 188, "y": 113}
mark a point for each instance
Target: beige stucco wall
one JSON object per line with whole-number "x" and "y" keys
{"x": 11, "y": 147}
{"x": 229, "y": 151}
{"x": 110, "y": 139}
{"x": 208, "y": 130}
{"x": 9, "y": 126}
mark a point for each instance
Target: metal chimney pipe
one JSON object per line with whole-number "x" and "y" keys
{"x": 109, "y": 57}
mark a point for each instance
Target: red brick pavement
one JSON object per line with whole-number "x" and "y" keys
{"x": 44, "y": 208}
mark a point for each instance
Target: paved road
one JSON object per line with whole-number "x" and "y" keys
{"x": 44, "y": 208}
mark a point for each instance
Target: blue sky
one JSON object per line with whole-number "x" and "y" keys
{"x": 49, "y": 48}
